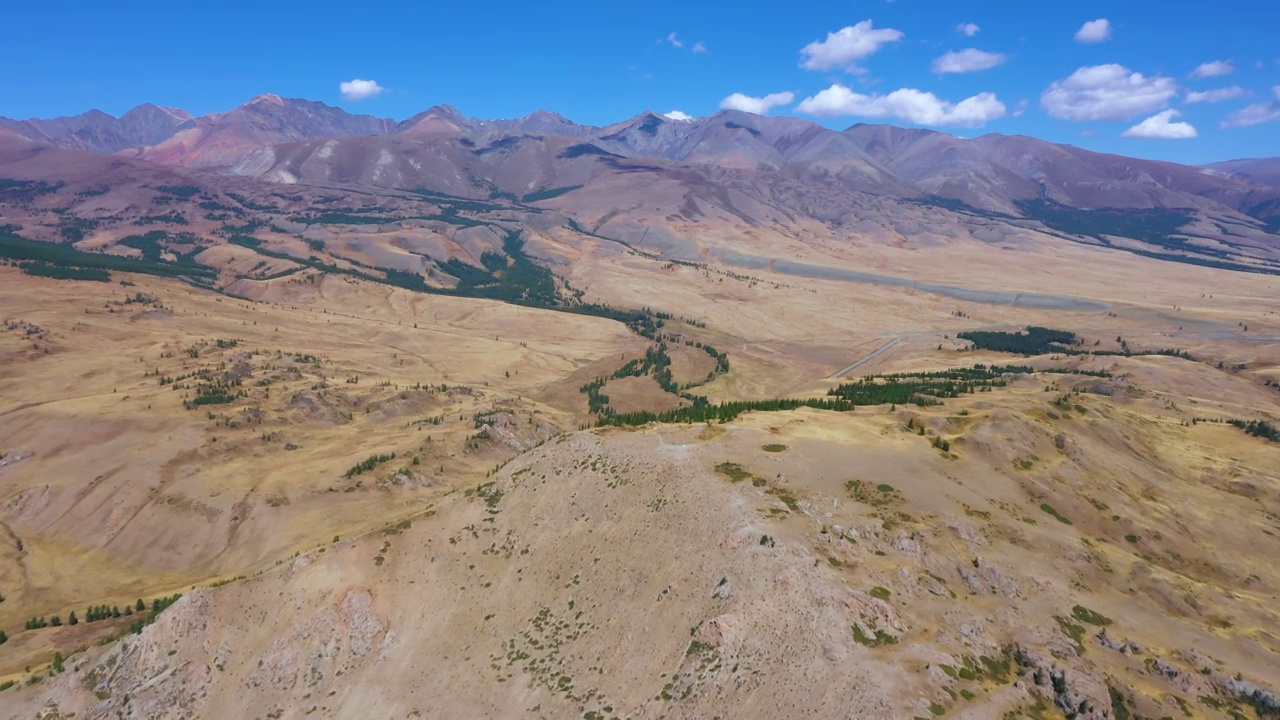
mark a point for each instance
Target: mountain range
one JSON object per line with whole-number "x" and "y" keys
{"x": 757, "y": 169}
{"x": 95, "y": 130}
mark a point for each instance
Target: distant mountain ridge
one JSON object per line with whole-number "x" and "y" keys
{"x": 175, "y": 137}
{"x": 97, "y": 131}
{"x": 1265, "y": 171}
{"x": 937, "y": 162}
{"x": 731, "y": 165}
{"x": 991, "y": 172}
{"x": 221, "y": 139}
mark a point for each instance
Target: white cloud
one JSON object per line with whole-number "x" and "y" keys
{"x": 357, "y": 90}
{"x": 967, "y": 29}
{"x": 1218, "y": 95}
{"x": 1214, "y": 68}
{"x": 677, "y": 115}
{"x": 968, "y": 60}
{"x": 844, "y": 47}
{"x": 756, "y": 105}
{"x": 1022, "y": 107}
{"x": 1255, "y": 114}
{"x": 1094, "y": 31}
{"x": 908, "y": 104}
{"x": 674, "y": 41}
{"x": 1161, "y": 127}
{"x": 1106, "y": 92}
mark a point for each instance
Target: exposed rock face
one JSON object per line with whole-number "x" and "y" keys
{"x": 319, "y": 646}
{"x": 141, "y": 677}
{"x": 511, "y": 431}
{"x": 318, "y": 408}
{"x": 875, "y": 617}
{"x": 1078, "y": 696}
{"x": 1263, "y": 699}
{"x": 987, "y": 578}
{"x": 1181, "y": 678}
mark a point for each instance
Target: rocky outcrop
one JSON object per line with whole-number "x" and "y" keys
{"x": 1080, "y": 696}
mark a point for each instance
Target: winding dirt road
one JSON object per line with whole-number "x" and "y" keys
{"x": 866, "y": 358}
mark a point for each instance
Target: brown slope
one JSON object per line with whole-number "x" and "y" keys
{"x": 509, "y": 165}
{"x": 103, "y": 203}
{"x": 995, "y": 172}
{"x": 736, "y": 162}
{"x": 94, "y": 201}
{"x": 738, "y": 173}
{"x": 628, "y": 575}
{"x": 1264, "y": 171}
{"x": 436, "y": 121}
{"x": 26, "y": 159}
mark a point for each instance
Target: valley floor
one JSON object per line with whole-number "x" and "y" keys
{"x": 381, "y": 503}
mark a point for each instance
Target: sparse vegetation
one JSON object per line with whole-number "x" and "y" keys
{"x": 1046, "y": 507}
{"x": 548, "y": 194}
{"x": 1119, "y": 704}
{"x": 368, "y": 464}
{"x": 1085, "y": 615}
{"x": 1258, "y": 428}
{"x": 878, "y": 638}
{"x": 1073, "y": 631}
{"x": 734, "y": 471}
{"x": 881, "y": 495}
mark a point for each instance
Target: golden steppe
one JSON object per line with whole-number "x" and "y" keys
{"x": 786, "y": 564}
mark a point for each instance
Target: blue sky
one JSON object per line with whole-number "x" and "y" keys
{"x": 836, "y": 63}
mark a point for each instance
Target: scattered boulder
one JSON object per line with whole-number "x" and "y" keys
{"x": 506, "y": 429}
{"x": 986, "y": 578}
{"x": 1124, "y": 647}
{"x": 966, "y": 532}
{"x": 1180, "y": 679}
{"x": 1102, "y": 388}
{"x": 1259, "y": 697}
{"x": 1079, "y": 696}
{"x": 874, "y": 617}
{"x": 317, "y": 408}
{"x": 715, "y": 631}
